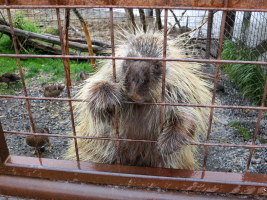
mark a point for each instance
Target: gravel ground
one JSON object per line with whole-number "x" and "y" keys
{"x": 235, "y": 159}
{"x": 55, "y": 116}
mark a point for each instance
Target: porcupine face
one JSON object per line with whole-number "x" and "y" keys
{"x": 139, "y": 78}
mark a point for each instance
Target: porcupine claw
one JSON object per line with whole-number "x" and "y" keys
{"x": 103, "y": 97}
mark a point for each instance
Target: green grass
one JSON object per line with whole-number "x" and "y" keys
{"x": 250, "y": 78}
{"x": 29, "y": 25}
{"x": 35, "y": 66}
{"x": 240, "y": 129}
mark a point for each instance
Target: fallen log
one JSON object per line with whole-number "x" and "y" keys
{"x": 49, "y": 38}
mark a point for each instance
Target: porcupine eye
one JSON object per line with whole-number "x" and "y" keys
{"x": 157, "y": 68}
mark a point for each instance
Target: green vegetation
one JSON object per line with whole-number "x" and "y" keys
{"x": 51, "y": 69}
{"x": 240, "y": 129}
{"x": 250, "y": 78}
{"x": 20, "y": 22}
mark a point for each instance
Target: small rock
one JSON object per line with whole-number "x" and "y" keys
{"x": 256, "y": 161}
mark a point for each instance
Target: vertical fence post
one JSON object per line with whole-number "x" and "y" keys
{"x": 116, "y": 117}
{"x": 63, "y": 49}
{"x": 251, "y": 150}
{"x": 209, "y": 31}
{"x": 216, "y": 79}
{"x": 66, "y": 42}
{"x": 4, "y": 152}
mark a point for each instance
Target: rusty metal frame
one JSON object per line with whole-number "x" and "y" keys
{"x": 76, "y": 171}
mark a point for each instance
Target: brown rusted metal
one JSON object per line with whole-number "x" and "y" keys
{"x": 49, "y": 189}
{"x": 251, "y": 151}
{"x": 134, "y": 140}
{"x": 4, "y": 152}
{"x": 131, "y": 7}
{"x": 128, "y": 102}
{"x": 164, "y": 55}
{"x": 138, "y": 176}
{"x": 135, "y": 58}
{"x": 87, "y": 36}
{"x": 209, "y": 31}
{"x": 193, "y": 4}
{"x": 14, "y": 39}
{"x": 66, "y": 41}
{"x": 126, "y": 175}
{"x": 216, "y": 79}
{"x": 116, "y": 116}
{"x": 67, "y": 83}
{"x": 28, "y": 105}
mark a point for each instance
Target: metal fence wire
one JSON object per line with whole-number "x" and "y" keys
{"x": 209, "y": 26}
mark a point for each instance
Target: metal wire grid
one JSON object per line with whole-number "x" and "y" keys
{"x": 65, "y": 58}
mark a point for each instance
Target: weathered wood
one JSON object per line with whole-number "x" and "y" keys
{"x": 158, "y": 19}
{"x": 47, "y": 38}
{"x": 245, "y": 26}
{"x": 94, "y": 42}
{"x": 229, "y": 24}
{"x": 130, "y": 18}
{"x": 87, "y": 36}
{"x": 142, "y": 18}
{"x": 241, "y": 4}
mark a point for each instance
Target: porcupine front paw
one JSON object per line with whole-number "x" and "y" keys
{"x": 103, "y": 97}
{"x": 170, "y": 142}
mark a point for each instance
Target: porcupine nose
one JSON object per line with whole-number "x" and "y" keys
{"x": 132, "y": 93}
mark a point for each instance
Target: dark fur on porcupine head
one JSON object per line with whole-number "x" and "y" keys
{"x": 141, "y": 75}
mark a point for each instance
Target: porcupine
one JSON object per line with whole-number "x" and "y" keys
{"x": 141, "y": 81}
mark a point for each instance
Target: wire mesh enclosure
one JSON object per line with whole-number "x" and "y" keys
{"x": 54, "y": 41}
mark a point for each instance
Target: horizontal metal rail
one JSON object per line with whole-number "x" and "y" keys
{"x": 254, "y": 5}
{"x": 133, "y": 140}
{"x": 129, "y": 102}
{"x": 51, "y": 189}
{"x": 136, "y": 58}
{"x": 137, "y": 176}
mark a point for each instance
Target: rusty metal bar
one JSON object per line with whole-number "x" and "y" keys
{"x": 164, "y": 55}
{"x": 141, "y": 7}
{"x": 128, "y": 102}
{"x": 67, "y": 83}
{"x": 66, "y": 42}
{"x": 135, "y": 58}
{"x": 4, "y": 152}
{"x": 134, "y": 176}
{"x": 49, "y": 189}
{"x": 116, "y": 116}
{"x": 134, "y": 140}
{"x": 257, "y": 126}
{"x": 209, "y": 32}
{"x": 189, "y": 4}
{"x": 28, "y": 105}
{"x": 138, "y": 176}
{"x": 216, "y": 79}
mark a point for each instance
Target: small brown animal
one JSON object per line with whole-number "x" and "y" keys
{"x": 53, "y": 90}
{"x": 38, "y": 141}
{"x": 9, "y": 78}
{"x": 83, "y": 75}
